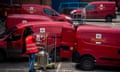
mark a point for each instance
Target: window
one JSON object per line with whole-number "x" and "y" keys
{"x": 16, "y": 35}
{"x": 90, "y": 7}
{"x": 50, "y": 12}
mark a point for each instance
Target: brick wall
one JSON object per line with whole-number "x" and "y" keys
{"x": 44, "y": 2}
{"x": 47, "y": 2}
{"x": 91, "y": 0}
{"x": 27, "y": 1}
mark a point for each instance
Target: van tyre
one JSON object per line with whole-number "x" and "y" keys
{"x": 109, "y": 19}
{"x": 2, "y": 57}
{"x": 87, "y": 63}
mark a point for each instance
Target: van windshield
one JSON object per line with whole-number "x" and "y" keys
{"x": 50, "y": 12}
{"x": 8, "y": 32}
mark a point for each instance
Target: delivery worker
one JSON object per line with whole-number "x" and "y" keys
{"x": 31, "y": 49}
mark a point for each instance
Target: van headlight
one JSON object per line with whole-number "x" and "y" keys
{"x": 75, "y": 23}
{"x": 68, "y": 18}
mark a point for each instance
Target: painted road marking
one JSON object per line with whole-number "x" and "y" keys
{"x": 58, "y": 67}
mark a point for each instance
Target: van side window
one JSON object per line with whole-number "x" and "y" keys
{"x": 90, "y": 7}
{"x": 49, "y": 12}
{"x": 14, "y": 36}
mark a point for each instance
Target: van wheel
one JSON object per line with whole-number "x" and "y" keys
{"x": 109, "y": 19}
{"x": 2, "y": 57}
{"x": 87, "y": 63}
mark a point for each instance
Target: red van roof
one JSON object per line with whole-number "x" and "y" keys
{"x": 26, "y": 16}
{"x": 99, "y": 28}
{"x": 103, "y": 2}
{"x": 21, "y": 25}
{"x": 34, "y": 8}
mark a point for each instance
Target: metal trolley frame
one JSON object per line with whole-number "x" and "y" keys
{"x": 43, "y": 60}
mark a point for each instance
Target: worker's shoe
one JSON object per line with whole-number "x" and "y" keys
{"x": 33, "y": 71}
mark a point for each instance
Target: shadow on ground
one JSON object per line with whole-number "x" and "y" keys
{"x": 15, "y": 60}
{"x": 102, "y": 68}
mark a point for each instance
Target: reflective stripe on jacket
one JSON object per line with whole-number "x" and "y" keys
{"x": 31, "y": 45}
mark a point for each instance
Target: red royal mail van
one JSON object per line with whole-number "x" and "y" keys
{"x": 98, "y": 10}
{"x": 60, "y": 37}
{"x": 97, "y": 45}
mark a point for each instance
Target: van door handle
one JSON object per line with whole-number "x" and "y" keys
{"x": 56, "y": 36}
{"x": 118, "y": 51}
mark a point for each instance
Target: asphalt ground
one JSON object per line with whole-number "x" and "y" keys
{"x": 21, "y": 65}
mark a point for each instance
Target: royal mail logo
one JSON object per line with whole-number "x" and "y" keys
{"x": 31, "y": 10}
{"x": 98, "y": 39}
{"x": 101, "y": 7}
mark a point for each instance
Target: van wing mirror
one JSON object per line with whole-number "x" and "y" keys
{"x": 54, "y": 14}
{"x": 13, "y": 37}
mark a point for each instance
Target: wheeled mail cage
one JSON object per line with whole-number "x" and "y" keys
{"x": 45, "y": 43}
